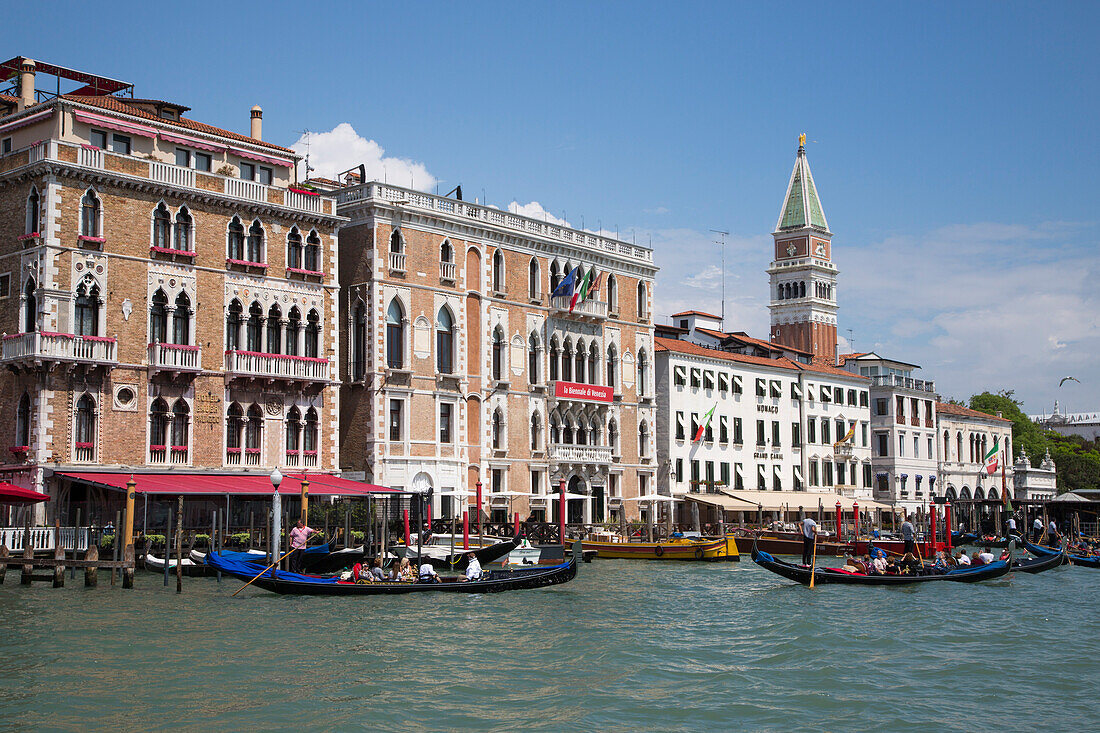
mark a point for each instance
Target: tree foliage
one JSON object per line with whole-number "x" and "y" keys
{"x": 1077, "y": 460}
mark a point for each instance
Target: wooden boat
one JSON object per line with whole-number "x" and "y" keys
{"x": 801, "y": 573}
{"x": 492, "y": 581}
{"x": 788, "y": 543}
{"x": 1045, "y": 558}
{"x": 674, "y": 549}
{"x": 199, "y": 558}
{"x": 190, "y": 567}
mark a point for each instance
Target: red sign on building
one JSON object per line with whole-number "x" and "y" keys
{"x": 575, "y": 391}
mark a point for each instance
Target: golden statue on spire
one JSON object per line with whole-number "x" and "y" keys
{"x": 802, "y": 140}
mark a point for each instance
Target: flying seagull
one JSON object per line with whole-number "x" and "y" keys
{"x": 1068, "y": 379}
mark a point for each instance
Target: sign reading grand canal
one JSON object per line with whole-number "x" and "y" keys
{"x": 575, "y": 391}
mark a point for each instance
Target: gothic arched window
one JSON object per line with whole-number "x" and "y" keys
{"x": 395, "y": 334}
{"x": 181, "y": 320}
{"x": 444, "y": 341}
{"x": 182, "y": 239}
{"x": 162, "y": 226}
{"x": 294, "y": 249}
{"x": 313, "y": 334}
{"x": 158, "y": 320}
{"x": 89, "y": 214}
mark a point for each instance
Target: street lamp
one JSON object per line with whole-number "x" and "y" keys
{"x": 276, "y": 513}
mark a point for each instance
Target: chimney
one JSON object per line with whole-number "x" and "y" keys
{"x": 26, "y": 84}
{"x": 1000, "y": 413}
{"x": 257, "y": 123}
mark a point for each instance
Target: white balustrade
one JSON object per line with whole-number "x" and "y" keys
{"x": 179, "y": 455}
{"x": 278, "y": 366}
{"x": 233, "y": 456}
{"x": 302, "y": 201}
{"x": 175, "y": 357}
{"x": 84, "y": 452}
{"x": 245, "y": 189}
{"x": 309, "y": 459}
{"x": 41, "y": 345}
{"x": 158, "y": 454}
{"x": 590, "y": 307}
{"x": 175, "y": 175}
{"x": 44, "y": 538}
{"x": 580, "y": 453}
{"x": 397, "y": 261}
{"x": 447, "y": 271}
{"x": 39, "y": 151}
{"x": 90, "y": 157}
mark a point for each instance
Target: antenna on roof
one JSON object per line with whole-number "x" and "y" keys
{"x": 309, "y": 168}
{"x": 722, "y": 244}
{"x": 851, "y": 342}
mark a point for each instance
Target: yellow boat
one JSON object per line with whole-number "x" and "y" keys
{"x": 681, "y": 548}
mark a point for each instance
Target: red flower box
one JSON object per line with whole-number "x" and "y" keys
{"x": 300, "y": 271}
{"x": 84, "y": 445}
{"x": 232, "y": 450}
{"x": 157, "y": 447}
{"x": 103, "y": 339}
{"x": 170, "y": 251}
{"x": 309, "y": 452}
{"x": 245, "y": 263}
{"x": 86, "y": 238}
{"x": 303, "y": 191}
{"x": 178, "y": 347}
{"x": 252, "y": 451}
{"x": 292, "y": 452}
{"x": 19, "y": 449}
{"x": 32, "y": 235}
{"x": 179, "y": 449}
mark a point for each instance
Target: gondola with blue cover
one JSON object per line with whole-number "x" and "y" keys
{"x": 1045, "y": 558}
{"x": 492, "y": 581}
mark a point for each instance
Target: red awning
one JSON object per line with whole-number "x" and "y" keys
{"x": 228, "y": 484}
{"x": 11, "y": 494}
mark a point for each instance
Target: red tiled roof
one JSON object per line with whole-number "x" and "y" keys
{"x": 119, "y": 106}
{"x": 946, "y": 408}
{"x": 9, "y": 99}
{"x": 856, "y": 355}
{"x": 782, "y": 362}
{"x": 695, "y": 313}
{"x": 711, "y": 332}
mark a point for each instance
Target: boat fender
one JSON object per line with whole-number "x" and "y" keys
{"x": 698, "y": 553}
{"x": 659, "y": 551}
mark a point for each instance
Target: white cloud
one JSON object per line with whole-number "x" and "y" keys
{"x": 659, "y": 210}
{"x": 342, "y": 148}
{"x": 535, "y": 211}
{"x": 980, "y": 306}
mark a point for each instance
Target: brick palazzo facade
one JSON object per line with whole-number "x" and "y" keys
{"x": 168, "y": 300}
{"x": 458, "y": 367}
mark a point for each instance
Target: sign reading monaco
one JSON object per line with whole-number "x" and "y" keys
{"x": 591, "y": 392}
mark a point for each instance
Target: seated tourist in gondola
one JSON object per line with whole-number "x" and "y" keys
{"x": 891, "y": 567}
{"x": 376, "y": 571}
{"x": 939, "y": 565}
{"x": 851, "y": 565}
{"x": 986, "y": 557}
{"x": 875, "y": 552}
{"x": 428, "y": 574}
{"x": 879, "y": 564}
{"x": 473, "y": 568}
{"x": 962, "y": 559}
{"x": 404, "y": 571}
{"x": 910, "y": 565}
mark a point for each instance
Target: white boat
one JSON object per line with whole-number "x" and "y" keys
{"x": 190, "y": 567}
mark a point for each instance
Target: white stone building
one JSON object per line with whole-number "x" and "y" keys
{"x": 1085, "y": 424}
{"x": 965, "y": 436}
{"x": 776, "y": 423}
{"x": 904, "y": 449}
{"x": 1031, "y": 483}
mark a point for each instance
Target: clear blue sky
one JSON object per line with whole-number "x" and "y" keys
{"x": 952, "y": 143}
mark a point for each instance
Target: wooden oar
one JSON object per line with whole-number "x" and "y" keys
{"x": 813, "y": 560}
{"x": 292, "y": 549}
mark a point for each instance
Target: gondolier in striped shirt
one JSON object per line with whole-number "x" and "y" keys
{"x": 909, "y": 534}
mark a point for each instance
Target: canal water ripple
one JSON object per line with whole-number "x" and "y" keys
{"x": 628, "y": 645}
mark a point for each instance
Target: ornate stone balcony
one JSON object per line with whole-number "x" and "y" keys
{"x": 175, "y": 358}
{"x": 252, "y": 365}
{"x": 44, "y": 349}
{"x": 580, "y": 454}
{"x": 595, "y": 310}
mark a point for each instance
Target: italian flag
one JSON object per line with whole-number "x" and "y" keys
{"x": 991, "y": 459}
{"x": 581, "y": 292}
{"x": 703, "y": 425}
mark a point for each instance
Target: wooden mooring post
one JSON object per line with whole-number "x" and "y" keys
{"x": 58, "y": 555}
{"x": 91, "y": 570}
{"x": 28, "y": 552}
{"x": 3, "y": 562}
{"x": 179, "y": 546}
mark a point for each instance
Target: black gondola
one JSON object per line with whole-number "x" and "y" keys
{"x": 459, "y": 561}
{"x": 801, "y": 574}
{"x": 493, "y": 581}
{"x": 1045, "y": 558}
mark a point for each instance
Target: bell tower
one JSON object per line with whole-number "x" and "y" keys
{"x": 803, "y": 276}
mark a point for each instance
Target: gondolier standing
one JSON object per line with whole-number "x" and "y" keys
{"x": 298, "y": 538}
{"x": 1036, "y": 531}
{"x": 809, "y": 535}
{"x": 909, "y": 534}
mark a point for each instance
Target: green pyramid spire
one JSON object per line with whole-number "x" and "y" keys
{"x": 801, "y": 206}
